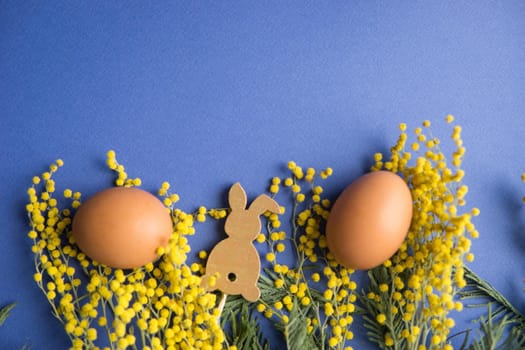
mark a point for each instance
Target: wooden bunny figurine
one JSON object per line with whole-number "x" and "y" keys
{"x": 234, "y": 260}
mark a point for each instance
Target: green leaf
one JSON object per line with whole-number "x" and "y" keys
{"x": 296, "y": 332}
{"x": 244, "y": 330}
{"x": 479, "y": 288}
{"x": 269, "y": 293}
{"x": 4, "y": 312}
{"x": 371, "y": 308}
{"x": 501, "y": 316}
{"x": 492, "y": 334}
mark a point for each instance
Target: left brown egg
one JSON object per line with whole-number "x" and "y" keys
{"x": 122, "y": 227}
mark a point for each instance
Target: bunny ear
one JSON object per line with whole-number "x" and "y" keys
{"x": 237, "y": 197}
{"x": 264, "y": 203}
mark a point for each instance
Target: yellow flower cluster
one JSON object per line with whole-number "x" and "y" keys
{"x": 162, "y": 305}
{"x": 314, "y": 283}
{"x": 412, "y": 295}
{"x": 158, "y": 306}
{"x": 122, "y": 176}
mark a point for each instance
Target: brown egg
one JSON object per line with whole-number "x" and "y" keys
{"x": 122, "y": 227}
{"x": 369, "y": 220}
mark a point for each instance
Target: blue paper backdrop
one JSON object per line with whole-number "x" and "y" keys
{"x": 204, "y": 94}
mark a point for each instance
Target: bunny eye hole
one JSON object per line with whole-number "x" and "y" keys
{"x": 232, "y": 276}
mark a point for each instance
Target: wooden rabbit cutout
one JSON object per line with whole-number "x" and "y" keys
{"x": 234, "y": 260}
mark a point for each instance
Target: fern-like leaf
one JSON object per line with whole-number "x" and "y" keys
{"x": 296, "y": 332}
{"x": 4, "y": 312}
{"x": 244, "y": 330}
{"x": 504, "y": 326}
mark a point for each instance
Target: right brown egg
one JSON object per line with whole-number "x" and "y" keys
{"x": 369, "y": 220}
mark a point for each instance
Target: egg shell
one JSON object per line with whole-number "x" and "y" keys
{"x": 122, "y": 227}
{"x": 369, "y": 220}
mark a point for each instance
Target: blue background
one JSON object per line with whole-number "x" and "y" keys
{"x": 204, "y": 94}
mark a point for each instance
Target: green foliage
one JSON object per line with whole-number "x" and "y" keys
{"x": 297, "y": 336}
{"x": 245, "y": 332}
{"x": 371, "y": 308}
{"x": 4, "y": 312}
{"x": 503, "y": 327}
